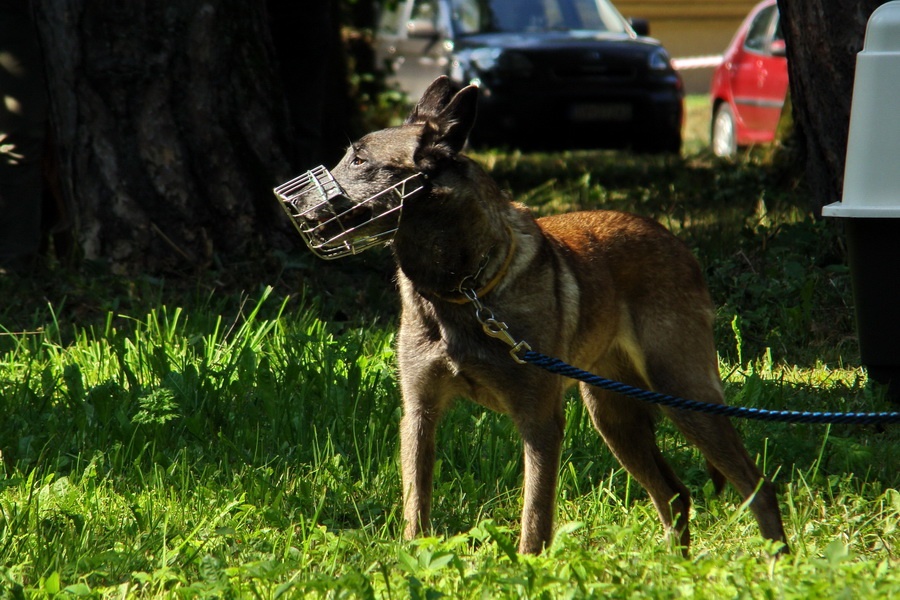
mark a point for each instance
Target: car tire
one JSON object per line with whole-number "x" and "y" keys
{"x": 723, "y": 132}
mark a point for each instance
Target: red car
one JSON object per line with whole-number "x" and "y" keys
{"x": 749, "y": 87}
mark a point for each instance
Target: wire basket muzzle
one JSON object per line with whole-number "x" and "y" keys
{"x": 332, "y": 224}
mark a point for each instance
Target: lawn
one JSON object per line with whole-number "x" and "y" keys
{"x": 223, "y": 439}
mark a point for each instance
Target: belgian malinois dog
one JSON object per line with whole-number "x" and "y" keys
{"x": 610, "y": 292}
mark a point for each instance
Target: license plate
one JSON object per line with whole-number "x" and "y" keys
{"x": 607, "y": 111}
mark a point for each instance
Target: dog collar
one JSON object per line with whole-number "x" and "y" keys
{"x": 486, "y": 289}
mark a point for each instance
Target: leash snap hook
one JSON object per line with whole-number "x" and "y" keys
{"x": 496, "y": 329}
{"x": 500, "y": 330}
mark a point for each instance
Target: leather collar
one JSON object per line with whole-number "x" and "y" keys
{"x": 458, "y": 297}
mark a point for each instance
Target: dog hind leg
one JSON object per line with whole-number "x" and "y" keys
{"x": 627, "y": 428}
{"x": 719, "y": 442}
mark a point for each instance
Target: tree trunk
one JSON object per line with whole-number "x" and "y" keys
{"x": 823, "y": 38}
{"x": 171, "y": 128}
{"x": 313, "y": 72}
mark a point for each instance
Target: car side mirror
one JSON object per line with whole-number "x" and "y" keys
{"x": 640, "y": 26}
{"x": 778, "y": 48}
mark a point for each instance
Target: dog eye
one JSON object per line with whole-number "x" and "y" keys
{"x": 357, "y": 161}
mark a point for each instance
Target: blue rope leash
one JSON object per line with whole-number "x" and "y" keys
{"x": 554, "y": 365}
{"x": 522, "y": 353}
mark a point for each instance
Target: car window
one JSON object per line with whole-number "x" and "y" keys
{"x": 778, "y": 34}
{"x": 467, "y": 15}
{"x": 516, "y": 16}
{"x": 524, "y": 15}
{"x": 759, "y": 30}
{"x": 597, "y": 16}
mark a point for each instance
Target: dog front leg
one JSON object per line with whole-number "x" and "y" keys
{"x": 543, "y": 443}
{"x": 417, "y": 429}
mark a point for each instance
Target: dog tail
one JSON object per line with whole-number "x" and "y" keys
{"x": 717, "y": 478}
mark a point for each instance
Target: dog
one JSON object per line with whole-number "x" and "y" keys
{"x": 610, "y": 292}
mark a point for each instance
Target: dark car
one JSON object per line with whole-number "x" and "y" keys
{"x": 552, "y": 73}
{"x": 749, "y": 86}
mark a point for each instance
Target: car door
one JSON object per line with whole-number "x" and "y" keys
{"x": 774, "y": 79}
{"x": 760, "y": 78}
{"x": 413, "y": 44}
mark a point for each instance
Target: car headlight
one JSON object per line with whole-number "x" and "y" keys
{"x": 659, "y": 60}
{"x": 485, "y": 59}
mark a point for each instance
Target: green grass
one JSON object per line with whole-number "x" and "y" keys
{"x": 166, "y": 441}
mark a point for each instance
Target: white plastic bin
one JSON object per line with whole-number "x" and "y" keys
{"x": 870, "y": 203}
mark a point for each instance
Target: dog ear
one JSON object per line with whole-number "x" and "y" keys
{"x": 432, "y": 102}
{"x": 458, "y": 117}
{"x": 445, "y": 134}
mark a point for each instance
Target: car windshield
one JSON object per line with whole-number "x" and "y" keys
{"x": 518, "y": 16}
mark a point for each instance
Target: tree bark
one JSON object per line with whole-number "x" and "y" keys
{"x": 313, "y": 72}
{"x": 171, "y": 128}
{"x": 823, "y": 38}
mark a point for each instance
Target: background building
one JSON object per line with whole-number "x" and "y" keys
{"x": 690, "y": 28}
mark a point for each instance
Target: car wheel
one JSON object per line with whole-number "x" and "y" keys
{"x": 723, "y": 134}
